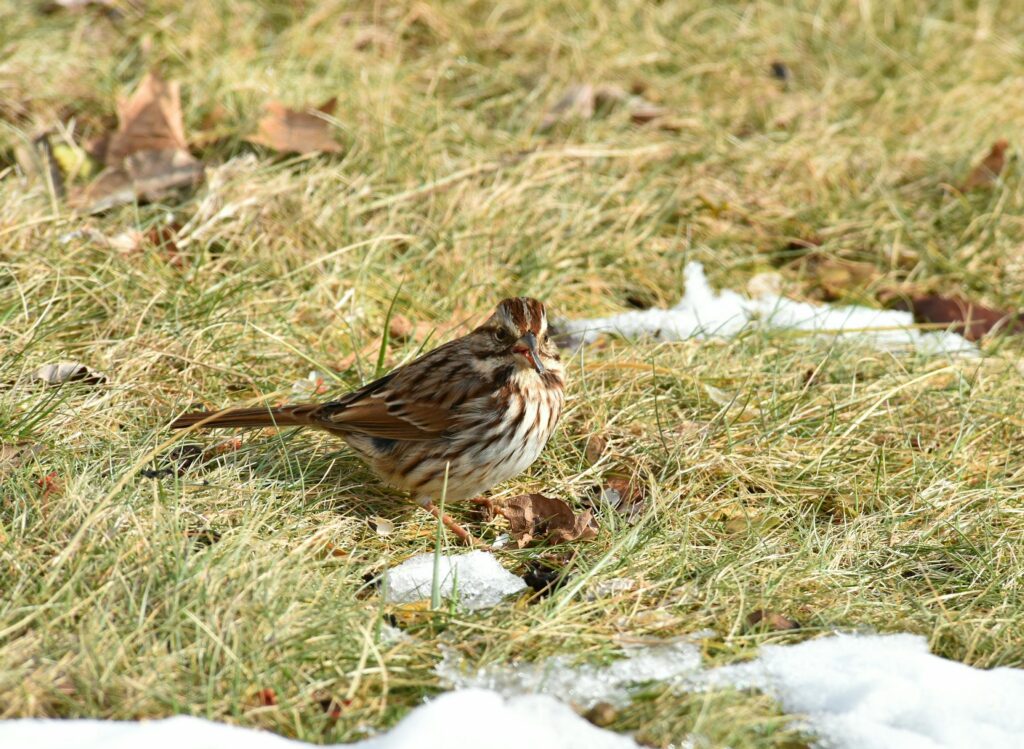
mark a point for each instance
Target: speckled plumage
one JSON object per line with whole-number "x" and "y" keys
{"x": 484, "y": 404}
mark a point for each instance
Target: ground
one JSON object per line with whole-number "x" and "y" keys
{"x": 850, "y": 488}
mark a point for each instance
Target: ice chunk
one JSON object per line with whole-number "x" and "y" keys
{"x": 468, "y": 719}
{"x": 476, "y": 579}
{"x": 703, "y": 313}
{"x": 584, "y": 685}
{"x": 885, "y": 692}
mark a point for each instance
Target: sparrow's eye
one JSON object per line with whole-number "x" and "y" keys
{"x": 502, "y": 336}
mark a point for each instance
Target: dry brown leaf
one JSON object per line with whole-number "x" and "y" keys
{"x": 988, "y": 169}
{"x": 584, "y": 101}
{"x": 595, "y": 447}
{"x": 291, "y": 131}
{"x": 971, "y": 320}
{"x": 770, "y": 621}
{"x": 626, "y": 497}
{"x": 534, "y": 517}
{"x": 17, "y": 454}
{"x": 146, "y": 175}
{"x": 402, "y": 329}
{"x": 147, "y": 157}
{"x": 62, "y": 372}
{"x": 149, "y": 120}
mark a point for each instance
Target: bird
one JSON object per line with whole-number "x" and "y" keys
{"x": 462, "y": 418}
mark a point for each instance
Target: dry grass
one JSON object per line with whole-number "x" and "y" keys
{"x": 883, "y": 493}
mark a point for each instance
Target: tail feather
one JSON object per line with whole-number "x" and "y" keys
{"x": 286, "y": 416}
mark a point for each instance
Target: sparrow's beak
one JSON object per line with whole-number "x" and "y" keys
{"x": 527, "y": 346}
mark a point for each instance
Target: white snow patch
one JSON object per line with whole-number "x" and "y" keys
{"x": 705, "y": 313}
{"x": 468, "y": 719}
{"x": 849, "y": 691}
{"x": 476, "y": 579}
{"x": 885, "y": 692}
{"x": 584, "y": 685}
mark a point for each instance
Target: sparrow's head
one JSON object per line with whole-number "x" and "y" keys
{"x": 518, "y": 332}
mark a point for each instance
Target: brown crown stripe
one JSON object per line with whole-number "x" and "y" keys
{"x": 525, "y": 313}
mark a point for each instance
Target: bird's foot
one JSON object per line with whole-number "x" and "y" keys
{"x": 462, "y": 534}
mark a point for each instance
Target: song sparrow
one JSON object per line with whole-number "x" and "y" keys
{"x": 484, "y": 405}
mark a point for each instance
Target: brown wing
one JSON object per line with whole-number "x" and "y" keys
{"x": 420, "y": 401}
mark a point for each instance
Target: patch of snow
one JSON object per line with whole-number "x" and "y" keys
{"x": 476, "y": 578}
{"x": 884, "y": 692}
{"x": 468, "y": 719}
{"x": 705, "y": 313}
{"x": 584, "y": 685}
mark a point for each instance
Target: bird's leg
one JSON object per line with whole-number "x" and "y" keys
{"x": 450, "y": 524}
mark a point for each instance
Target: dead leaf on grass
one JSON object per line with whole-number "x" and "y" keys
{"x": 584, "y": 101}
{"x": 534, "y": 517}
{"x": 969, "y": 319}
{"x": 17, "y": 454}
{"x": 625, "y": 496}
{"x": 769, "y": 621}
{"x": 62, "y": 372}
{"x": 292, "y": 131}
{"x": 987, "y": 171}
{"x": 595, "y": 447}
{"x": 403, "y": 330}
{"x": 149, "y": 120}
{"x": 147, "y": 156}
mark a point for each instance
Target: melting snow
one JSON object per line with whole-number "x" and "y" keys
{"x": 467, "y": 719}
{"x": 583, "y": 686}
{"x": 885, "y": 692}
{"x": 704, "y": 313}
{"x": 849, "y": 691}
{"x": 476, "y": 579}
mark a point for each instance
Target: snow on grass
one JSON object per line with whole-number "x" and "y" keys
{"x": 583, "y": 686}
{"x": 848, "y": 691}
{"x": 885, "y": 692}
{"x": 704, "y": 313}
{"x": 467, "y": 719}
{"x": 476, "y": 579}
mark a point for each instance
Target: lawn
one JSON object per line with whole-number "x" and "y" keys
{"x": 837, "y": 484}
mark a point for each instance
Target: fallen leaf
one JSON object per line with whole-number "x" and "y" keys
{"x": 149, "y": 120}
{"x": 402, "y": 329}
{"x": 971, "y": 320}
{"x": 546, "y": 519}
{"x": 595, "y": 447}
{"x": 62, "y": 372}
{"x": 769, "y": 621}
{"x": 625, "y": 497}
{"x": 584, "y": 101}
{"x": 292, "y": 131}
{"x": 988, "y": 169}
{"x": 147, "y": 156}
{"x": 17, "y": 454}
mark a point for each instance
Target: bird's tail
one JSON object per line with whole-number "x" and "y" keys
{"x": 286, "y": 416}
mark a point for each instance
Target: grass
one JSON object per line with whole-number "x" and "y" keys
{"x": 881, "y": 493}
